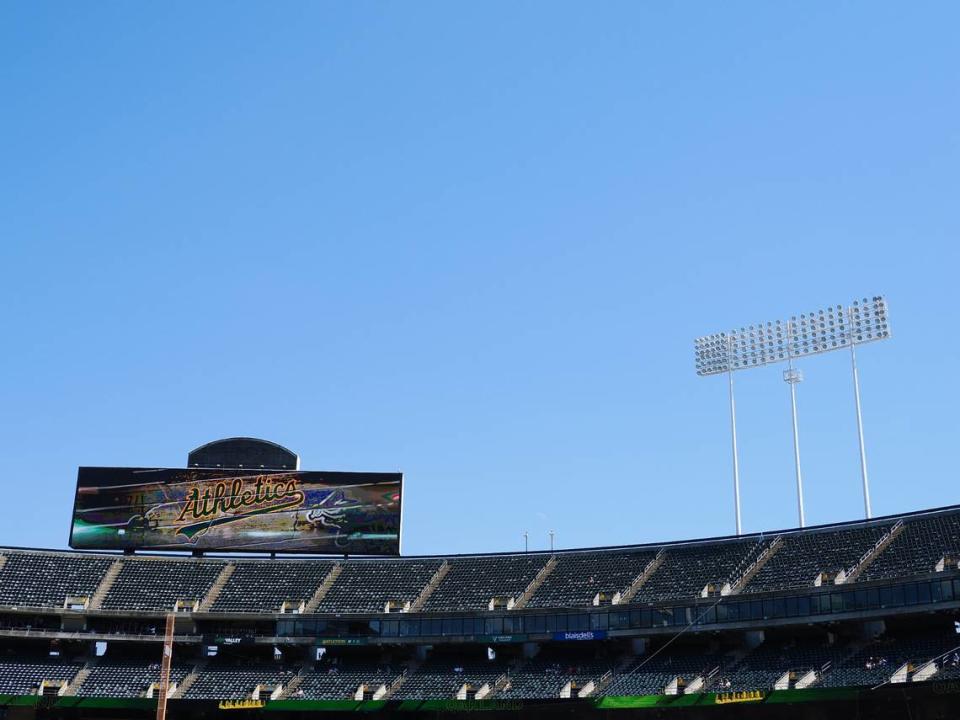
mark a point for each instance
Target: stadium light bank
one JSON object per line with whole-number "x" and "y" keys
{"x": 833, "y": 328}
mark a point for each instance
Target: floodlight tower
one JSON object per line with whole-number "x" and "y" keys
{"x": 716, "y": 354}
{"x": 812, "y": 333}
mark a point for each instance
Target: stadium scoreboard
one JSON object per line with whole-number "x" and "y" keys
{"x": 237, "y": 510}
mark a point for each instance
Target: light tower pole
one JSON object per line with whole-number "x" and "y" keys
{"x": 736, "y": 461}
{"x": 865, "y": 323}
{"x": 794, "y": 377}
{"x": 863, "y": 452}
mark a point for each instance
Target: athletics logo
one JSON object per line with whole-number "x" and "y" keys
{"x": 224, "y": 501}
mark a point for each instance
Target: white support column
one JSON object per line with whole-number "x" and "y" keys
{"x": 863, "y": 452}
{"x": 793, "y": 377}
{"x": 736, "y": 462}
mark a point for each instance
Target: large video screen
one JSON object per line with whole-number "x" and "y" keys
{"x": 237, "y": 510}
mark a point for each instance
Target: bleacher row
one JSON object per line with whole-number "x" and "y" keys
{"x": 788, "y": 561}
{"x": 551, "y": 674}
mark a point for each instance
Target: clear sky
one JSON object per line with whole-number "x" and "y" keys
{"x": 474, "y": 242}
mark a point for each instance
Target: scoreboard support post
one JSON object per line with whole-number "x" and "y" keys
{"x": 165, "y": 667}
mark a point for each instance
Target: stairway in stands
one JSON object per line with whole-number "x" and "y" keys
{"x": 314, "y": 602}
{"x": 78, "y": 679}
{"x": 850, "y": 574}
{"x": 189, "y": 680}
{"x": 438, "y": 576}
{"x": 217, "y": 587}
{"x": 291, "y": 687}
{"x": 412, "y": 667}
{"x": 753, "y": 568}
{"x": 109, "y": 578}
{"x": 535, "y": 584}
{"x": 634, "y": 587}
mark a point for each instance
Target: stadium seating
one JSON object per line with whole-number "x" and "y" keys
{"x": 688, "y": 569}
{"x": 765, "y": 665}
{"x": 339, "y": 680}
{"x": 695, "y": 663}
{"x": 575, "y": 578}
{"x": 367, "y": 585}
{"x": 38, "y": 579}
{"x": 115, "y": 679}
{"x": 579, "y": 577}
{"x": 916, "y": 551}
{"x": 650, "y": 674}
{"x": 772, "y": 629}
{"x": 804, "y": 555}
{"x": 22, "y": 677}
{"x": 949, "y": 666}
{"x": 876, "y": 662}
{"x": 471, "y": 583}
{"x": 263, "y": 586}
{"x": 545, "y": 677}
{"x": 236, "y": 680}
{"x": 444, "y": 677}
{"x": 158, "y": 584}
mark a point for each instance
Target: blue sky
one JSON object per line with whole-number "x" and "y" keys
{"x": 474, "y": 242}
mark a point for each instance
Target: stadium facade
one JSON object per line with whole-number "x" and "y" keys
{"x": 857, "y": 617}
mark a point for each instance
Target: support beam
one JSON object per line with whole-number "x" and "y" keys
{"x": 165, "y": 662}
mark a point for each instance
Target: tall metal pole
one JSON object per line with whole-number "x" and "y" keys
{"x": 856, "y": 395}
{"x": 733, "y": 436}
{"x": 792, "y": 377}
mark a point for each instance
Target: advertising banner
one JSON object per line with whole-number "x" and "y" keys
{"x": 580, "y": 635}
{"x": 237, "y": 510}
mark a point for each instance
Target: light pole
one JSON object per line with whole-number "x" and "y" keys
{"x": 793, "y": 378}
{"x": 813, "y": 333}
{"x": 863, "y": 452}
{"x": 736, "y": 461}
{"x": 867, "y": 321}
